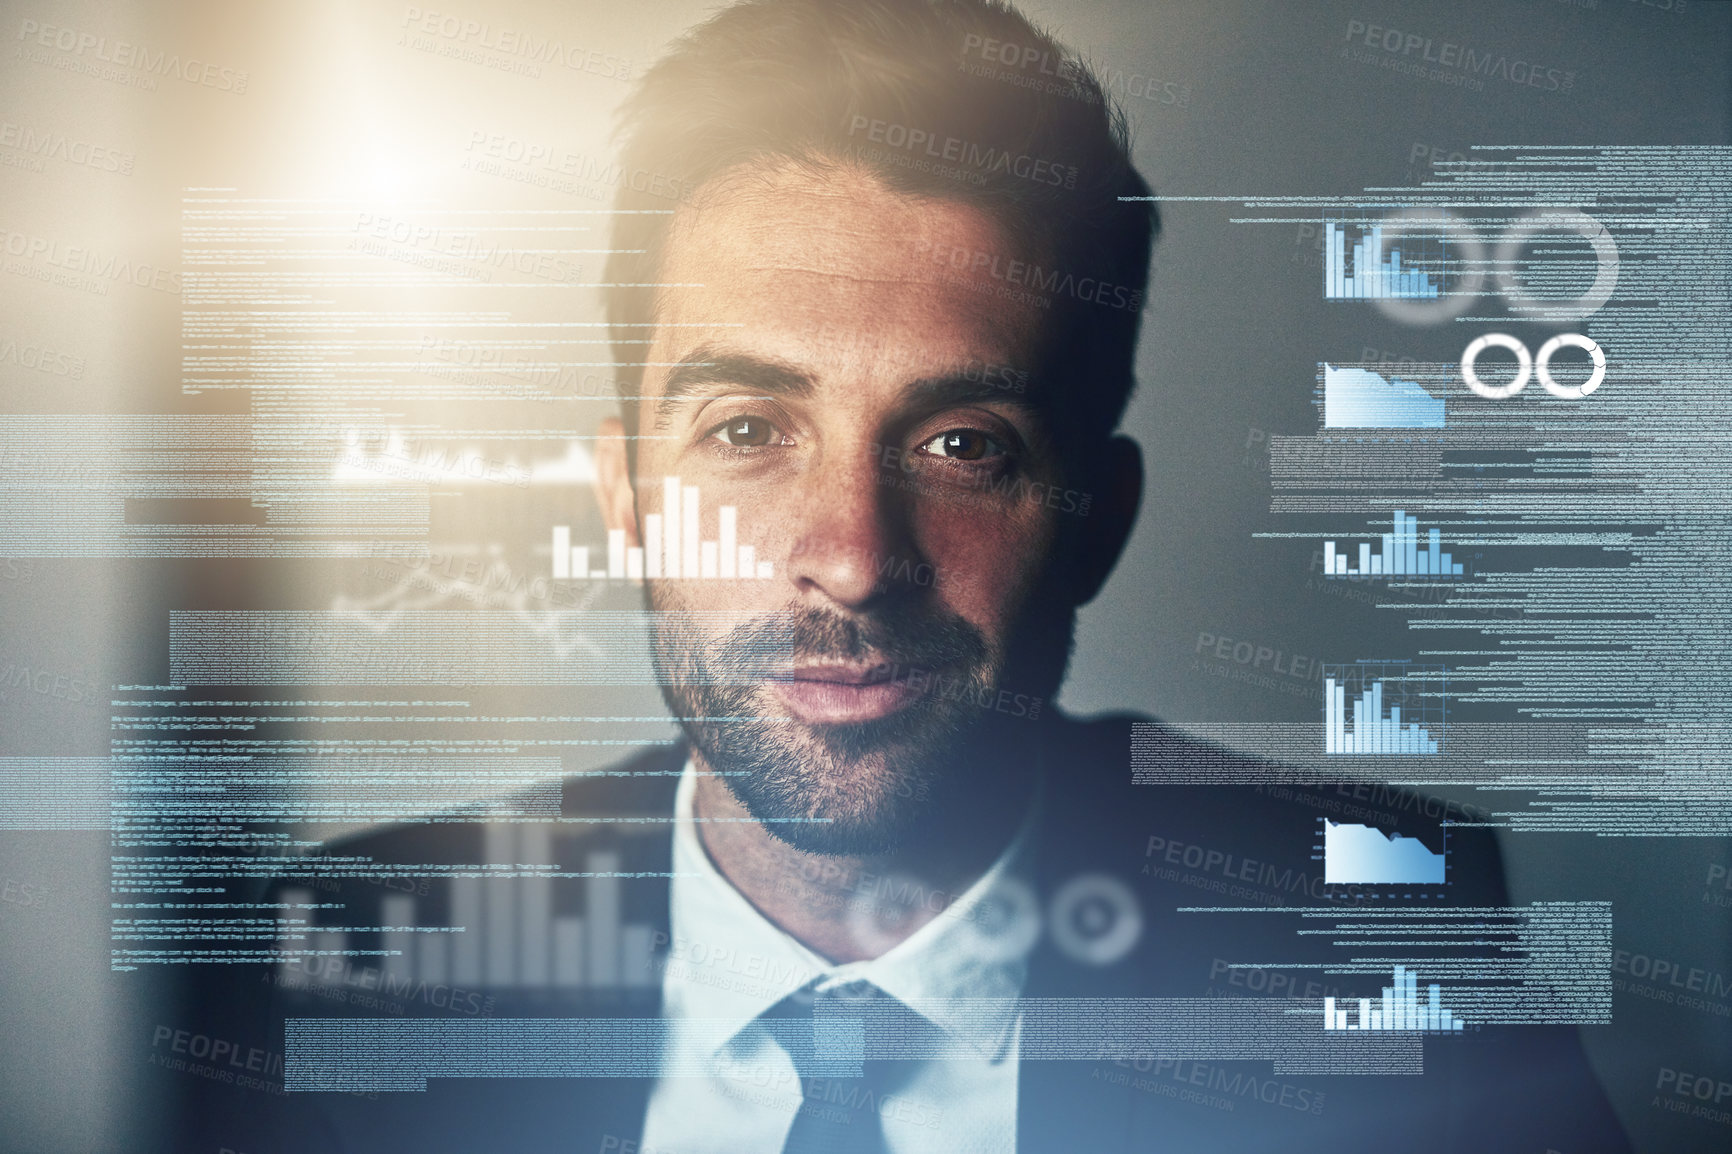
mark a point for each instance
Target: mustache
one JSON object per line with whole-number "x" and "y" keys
{"x": 770, "y": 647}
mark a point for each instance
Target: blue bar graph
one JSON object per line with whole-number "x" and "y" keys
{"x": 1373, "y": 274}
{"x": 1399, "y": 713}
{"x": 1398, "y": 555}
{"x": 1398, "y": 1009}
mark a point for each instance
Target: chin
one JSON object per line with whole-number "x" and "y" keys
{"x": 851, "y": 787}
{"x": 835, "y": 790}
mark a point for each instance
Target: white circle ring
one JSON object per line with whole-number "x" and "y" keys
{"x": 877, "y": 925}
{"x": 1556, "y": 220}
{"x": 1003, "y": 927}
{"x": 1468, "y": 275}
{"x": 1122, "y": 931}
{"x": 1524, "y": 367}
{"x": 1542, "y": 366}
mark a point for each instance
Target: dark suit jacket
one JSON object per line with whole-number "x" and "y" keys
{"x": 1520, "y": 1089}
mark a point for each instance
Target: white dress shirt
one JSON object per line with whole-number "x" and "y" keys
{"x": 727, "y": 1086}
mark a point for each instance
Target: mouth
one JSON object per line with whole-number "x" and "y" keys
{"x": 847, "y": 694}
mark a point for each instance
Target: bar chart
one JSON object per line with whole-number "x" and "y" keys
{"x": 505, "y": 931}
{"x": 1355, "y": 854}
{"x": 1373, "y": 273}
{"x": 1359, "y": 398}
{"x": 673, "y": 546}
{"x": 1398, "y": 1009}
{"x": 1398, "y": 555}
{"x": 1397, "y": 709}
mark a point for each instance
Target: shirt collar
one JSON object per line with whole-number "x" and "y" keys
{"x": 728, "y": 963}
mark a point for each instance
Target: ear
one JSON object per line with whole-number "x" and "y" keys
{"x": 1118, "y": 473}
{"x": 614, "y": 491}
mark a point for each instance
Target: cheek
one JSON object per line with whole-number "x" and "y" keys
{"x": 990, "y": 561}
{"x": 716, "y": 606}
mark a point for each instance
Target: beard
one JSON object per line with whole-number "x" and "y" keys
{"x": 840, "y": 789}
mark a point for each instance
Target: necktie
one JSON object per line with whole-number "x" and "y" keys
{"x": 842, "y": 1090}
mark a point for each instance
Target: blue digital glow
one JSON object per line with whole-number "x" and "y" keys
{"x": 1361, "y": 399}
{"x": 1375, "y": 274}
{"x": 1398, "y": 556}
{"x": 1356, "y": 854}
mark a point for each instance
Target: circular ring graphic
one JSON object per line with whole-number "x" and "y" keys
{"x": 1467, "y": 275}
{"x": 1509, "y": 248}
{"x": 1542, "y": 366}
{"x": 1095, "y": 919}
{"x": 1524, "y": 367}
{"x": 879, "y": 920}
{"x": 1004, "y": 926}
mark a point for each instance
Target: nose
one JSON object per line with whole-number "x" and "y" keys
{"x": 852, "y": 536}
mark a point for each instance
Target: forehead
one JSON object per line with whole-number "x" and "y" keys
{"x": 837, "y": 272}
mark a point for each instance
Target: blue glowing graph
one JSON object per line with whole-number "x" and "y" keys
{"x": 1398, "y": 1009}
{"x": 1394, "y": 709}
{"x": 1356, "y": 854}
{"x": 1399, "y": 554}
{"x": 1371, "y": 273}
{"x": 1361, "y": 399}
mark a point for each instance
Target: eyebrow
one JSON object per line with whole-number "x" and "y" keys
{"x": 707, "y": 365}
{"x": 958, "y": 389}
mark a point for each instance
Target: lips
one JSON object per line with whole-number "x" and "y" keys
{"x": 846, "y": 694}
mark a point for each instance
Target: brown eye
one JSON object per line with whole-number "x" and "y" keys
{"x": 746, "y": 433}
{"x": 963, "y": 445}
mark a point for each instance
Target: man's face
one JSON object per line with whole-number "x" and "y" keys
{"x": 821, "y": 364}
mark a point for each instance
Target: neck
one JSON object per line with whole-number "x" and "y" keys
{"x": 819, "y": 899}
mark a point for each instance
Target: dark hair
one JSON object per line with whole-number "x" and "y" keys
{"x": 1000, "y": 116}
